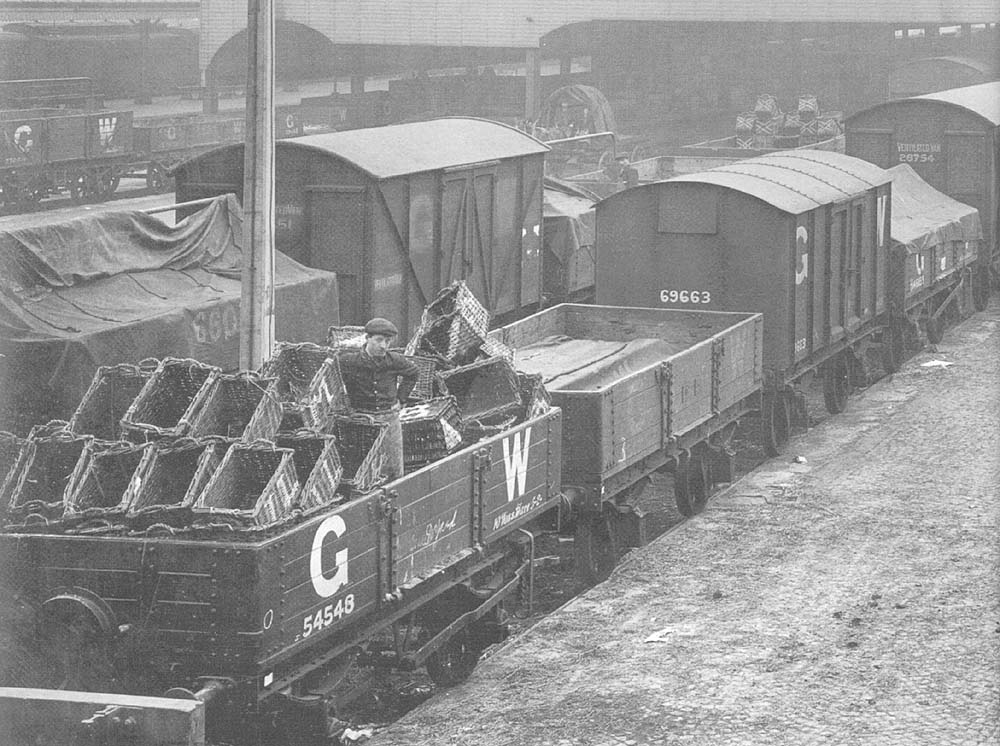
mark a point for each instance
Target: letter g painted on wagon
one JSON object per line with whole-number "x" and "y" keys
{"x": 327, "y": 585}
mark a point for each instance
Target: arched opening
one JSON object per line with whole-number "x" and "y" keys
{"x": 301, "y": 53}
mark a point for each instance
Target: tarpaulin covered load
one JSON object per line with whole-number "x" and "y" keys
{"x": 583, "y": 106}
{"x": 123, "y": 286}
{"x": 935, "y": 234}
{"x": 568, "y": 239}
{"x": 923, "y": 217}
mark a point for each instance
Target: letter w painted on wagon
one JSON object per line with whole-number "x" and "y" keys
{"x": 515, "y": 463}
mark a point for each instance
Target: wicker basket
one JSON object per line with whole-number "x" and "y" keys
{"x": 12, "y": 450}
{"x": 345, "y": 336}
{"x": 424, "y": 387}
{"x": 453, "y": 326}
{"x": 326, "y": 396}
{"x": 317, "y": 465}
{"x": 295, "y": 366}
{"x": 474, "y": 430}
{"x": 46, "y": 472}
{"x": 105, "y": 472}
{"x": 111, "y": 392}
{"x": 484, "y": 390}
{"x": 535, "y": 398}
{"x": 169, "y": 400}
{"x": 359, "y": 442}
{"x": 431, "y": 430}
{"x": 254, "y": 487}
{"x": 241, "y": 405}
{"x": 169, "y": 479}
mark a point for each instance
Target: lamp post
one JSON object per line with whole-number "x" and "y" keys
{"x": 257, "y": 299}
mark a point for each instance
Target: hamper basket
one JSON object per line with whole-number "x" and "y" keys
{"x": 485, "y": 389}
{"x": 317, "y": 466}
{"x": 45, "y": 473}
{"x": 359, "y": 443}
{"x": 111, "y": 392}
{"x": 431, "y": 430}
{"x": 169, "y": 479}
{"x": 254, "y": 487}
{"x": 240, "y": 405}
{"x": 169, "y": 399}
{"x": 453, "y": 326}
{"x": 104, "y": 473}
{"x": 294, "y": 365}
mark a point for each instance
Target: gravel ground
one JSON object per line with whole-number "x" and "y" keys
{"x": 847, "y": 596}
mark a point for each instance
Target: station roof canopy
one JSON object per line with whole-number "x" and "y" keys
{"x": 795, "y": 181}
{"x": 415, "y": 147}
{"x": 982, "y": 99}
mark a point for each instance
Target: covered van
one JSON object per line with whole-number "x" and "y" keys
{"x": 402, "y": 211}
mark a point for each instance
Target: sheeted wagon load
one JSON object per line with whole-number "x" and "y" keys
{"x": 120, "y": 287}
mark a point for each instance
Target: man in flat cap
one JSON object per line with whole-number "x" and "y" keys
{"x": 377, "y": 382}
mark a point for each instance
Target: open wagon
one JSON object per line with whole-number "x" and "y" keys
{"x": 641, "y": 390}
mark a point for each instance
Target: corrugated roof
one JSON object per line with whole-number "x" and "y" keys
{"x": 399, "y": 149}
{"x": 982, "y": 99}
{"x": 795, "y": 180}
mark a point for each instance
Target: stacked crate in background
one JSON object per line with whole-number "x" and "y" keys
{"x": 768, "y": 127}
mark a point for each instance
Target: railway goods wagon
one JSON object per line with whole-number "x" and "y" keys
{"x": 935, "y": 247}
{"x": 280, "y": 611}
{"x": 142, "y": 290}
{"x": 401, "y": 211}
{"x": 641, "y": 389}
{"x": 46, "y": 149}
{"x": 952, "y": 140}
{"x": 800, "y": 236}
{"x": 162, "y": 143}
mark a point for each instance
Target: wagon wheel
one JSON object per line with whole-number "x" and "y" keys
{"x": 77, "y": 187}
{"x": 156, "y": 177}
{"x": 893, "y": 345}
{"x": 934, "y": 327}
{"x": 981, "y": 288}
{"x": 776, "y": 423}
{"x": 607, "y": 158}
{"x": 837, "y": 384}
{"x": 454, "y": 661}
{"x": 692, "y": 484}
{"x": 595, "y": 546}
{"x": 105, "y": 185}
{"x": 73, "y": 654}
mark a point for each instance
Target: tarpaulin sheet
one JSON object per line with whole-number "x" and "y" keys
{"x": 569, "y": 364}
{"x": 600, "y": 117}
{"x": 123, "y": 286}
{"x": 569, "y": 216}
{"x": 923, "y": 217}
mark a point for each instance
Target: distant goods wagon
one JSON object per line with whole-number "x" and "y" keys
{"x": 951, "y": 139}
{"x": 801, "y": 236}
{"x": 401, "y": 211}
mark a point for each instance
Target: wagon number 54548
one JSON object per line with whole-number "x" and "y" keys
{"x": 327, "y": 615}
{"x": 685, "y": 296}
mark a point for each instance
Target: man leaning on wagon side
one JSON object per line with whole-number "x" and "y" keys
{"x": 377, "y": 381}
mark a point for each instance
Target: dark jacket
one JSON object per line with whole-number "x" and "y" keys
{"x": 375, "y": 385}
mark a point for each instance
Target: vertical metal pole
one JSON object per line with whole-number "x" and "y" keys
{"x": 532, "y": 84}
{"x": 257, "y": 302}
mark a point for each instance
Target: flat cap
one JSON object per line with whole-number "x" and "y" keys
{"x": 381, "y": 326}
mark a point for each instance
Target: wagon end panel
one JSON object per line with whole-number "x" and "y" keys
{"x": 738, "y": 355}
{"x": 584, "y": 450}
{"x": 690, "y": 388}
{"x": 198, "y": 601}
{"x": 320, "y": 578}
{"x": 631, "y": 426}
